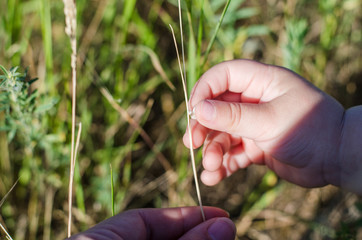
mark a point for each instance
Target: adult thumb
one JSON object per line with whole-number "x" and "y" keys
{"x": 214, "y": 229}
{"x": 248, "y": 120}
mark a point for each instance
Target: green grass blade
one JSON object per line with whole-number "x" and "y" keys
{"x": 192, "y": 64}
{"x": 10, "y": 20}
{"x": 128, "y": 9}
{"x": 79, "y": 192}
{"x": 46, "y": 27}
{"x": 182, "y": 40}
{"x": 4, "y": 70}
{"x": 199, "y": 38}
{"x": 215, "y": 33}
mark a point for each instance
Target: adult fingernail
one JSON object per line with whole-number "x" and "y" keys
{"x": 207, "y": 110}
{"x": 222, "y": 229}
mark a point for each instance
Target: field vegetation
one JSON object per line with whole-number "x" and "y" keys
{"x": 131, "y": 107}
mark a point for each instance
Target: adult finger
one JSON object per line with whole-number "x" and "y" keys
{"x": 216, "y": 229}
{"x": 168, "y": 223}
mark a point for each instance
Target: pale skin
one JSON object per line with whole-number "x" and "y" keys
{"x": 251, "y": 113}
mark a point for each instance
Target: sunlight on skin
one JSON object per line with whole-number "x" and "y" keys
{"x": 253, "y": 113}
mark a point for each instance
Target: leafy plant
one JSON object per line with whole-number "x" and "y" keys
{"x": 25, "y": 115}
{"x": 19, "y": 105}
{"x": 296, "y": 30}
{"x": 127, "y": 92}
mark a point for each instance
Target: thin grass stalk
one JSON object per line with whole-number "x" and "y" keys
{"x": 2, "y": 202}
{"x": 189, "y": 128}
{"x": 33, "y": 213}
{"x": 6, "y": 233}
{"x": 48, "y": 209}
{"x": 80, "y": 202}
{"x": 71, "y": 179}
{"x": 91, "y": 31}
{"x": 213, "y": 38}
{"x": 112, "y": 189}
{"x": 78, "y": 139}
{"x": 70, "y": 12}
{"x": 7, "y": 194}
{"x": 184, "y": 84}
{"x": 156, "y": 64}
{"x": 125, "y": 115}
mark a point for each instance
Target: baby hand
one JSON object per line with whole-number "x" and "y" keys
{"x": 247, "y": 112}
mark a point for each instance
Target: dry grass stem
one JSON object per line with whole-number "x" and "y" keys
{"x": 71, "y": 178}
{"x": 1, "y": 203}
{"x": 184, "y": 80}
{"x": 157, "y": 65}
{"x": 6, "y": 233}
{"x": 139, "y": 188}
{"x": 125, "y": 115}
{"x": 189, "y": 128}
{"x": 7, "y": 194}
{"x": 70, "y": 12}
{"x": 48, "y": 212}
{"x": 77, "y": 142}
{"x": 91, "y": 30}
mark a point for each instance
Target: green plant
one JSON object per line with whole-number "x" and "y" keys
{"x": 296, "y": 30}
{"x": 206, "y": 24}
{"x": 127, "y": 91}
{"x": 21, "y": 108}
{"x": 24, "y": 119}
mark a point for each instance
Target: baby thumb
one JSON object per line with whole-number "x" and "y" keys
{"x": 243, "y": 119}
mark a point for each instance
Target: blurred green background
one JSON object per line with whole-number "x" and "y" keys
{"x": 131, "y": 107}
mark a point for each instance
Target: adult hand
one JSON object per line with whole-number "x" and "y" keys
{"x": 169, "y": 223}
{"x": 248, "y": 112}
